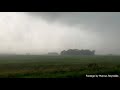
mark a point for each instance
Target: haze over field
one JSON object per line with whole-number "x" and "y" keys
{"x": 43, "y": 32}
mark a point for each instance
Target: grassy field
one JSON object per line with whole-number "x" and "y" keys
{"x": 36, "y": 66}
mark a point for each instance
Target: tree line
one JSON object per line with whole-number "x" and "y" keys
{"x": 78, "y": 52}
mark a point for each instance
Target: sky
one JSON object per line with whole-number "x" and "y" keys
{"x": 43, "y": 32}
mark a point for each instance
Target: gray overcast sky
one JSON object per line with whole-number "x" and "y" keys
{"x": 42, "y": 32}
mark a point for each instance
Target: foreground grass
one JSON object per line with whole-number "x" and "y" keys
{"x": 57, "y": 66}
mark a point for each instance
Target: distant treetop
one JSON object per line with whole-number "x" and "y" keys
{"x": 78, "y": 52}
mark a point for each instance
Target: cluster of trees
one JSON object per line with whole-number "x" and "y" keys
{"x": 78, "y": 52}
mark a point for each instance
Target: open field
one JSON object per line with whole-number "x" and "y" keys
{"x": 36, "y": 66}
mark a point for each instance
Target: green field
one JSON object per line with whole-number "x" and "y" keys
{"x": 36, "y": 66}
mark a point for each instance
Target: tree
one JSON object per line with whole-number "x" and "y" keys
{"x": 78, "y": 52}
{"x": 63, "y": 52}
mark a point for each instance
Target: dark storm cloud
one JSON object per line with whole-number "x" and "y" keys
{"x": 103, "y": 24}
{"x": 37, "y": 32}
{"x": 101, "y": 21}
{"x": 80, "y": 17}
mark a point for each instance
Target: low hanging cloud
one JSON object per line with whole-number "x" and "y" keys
{"x": 42, "y": 32}
{"x": 105, "y": 25}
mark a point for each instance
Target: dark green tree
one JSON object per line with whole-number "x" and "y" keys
{"x": 78, "y": 52}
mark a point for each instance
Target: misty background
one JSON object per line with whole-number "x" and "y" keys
{"x": 43, "y": 32}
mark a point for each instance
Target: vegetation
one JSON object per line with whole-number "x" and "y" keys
{"x": 78, "y": 52}
{"x": 35, "y": 66}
